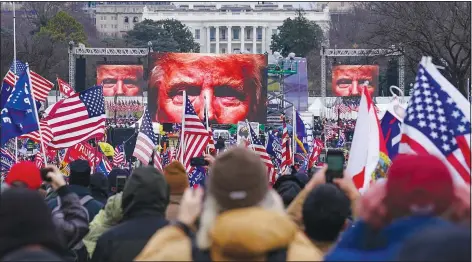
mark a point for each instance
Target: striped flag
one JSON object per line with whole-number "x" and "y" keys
{"x": 195, "y": 136}
{"x": 166, "y": 157}
{"x": 77, "y": 118}
{"x": 119, "y": 156}
{"x": 38, "y": 159}
{"x": 40, "y": 85}
{"x": 157, "y": 160}
{"x": 315, "y": 153}
{"x": 211, "y": 142}
{"x": 45, "y": 131}
{"x": 7, "y": 159}
{"x": 65, "y": 88}
{"x": 104, "y": 166}
{"x": 286, "y": 154}
{"x": 146, "y": 141}
{"x": 260, "y": 150}
{"x": 438, "y": 122}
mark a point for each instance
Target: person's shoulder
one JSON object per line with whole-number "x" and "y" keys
{"x": 52, "y": 203}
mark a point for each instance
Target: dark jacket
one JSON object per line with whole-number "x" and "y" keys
{"x": 34, "y": 254}
{"x": 73, "y": 225}
{"x": 288, "y": 187}
{"x": 144, "y": 202}
{"x": 99, "y": 187}
{"x": 361, "y": 243}
{"x": 93, "y": 207}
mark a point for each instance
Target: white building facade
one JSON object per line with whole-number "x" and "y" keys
{"x": 220, "y": 28}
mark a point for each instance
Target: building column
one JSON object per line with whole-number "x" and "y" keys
{"x": 208, "y": 39}
{"x": 217, "y": 35}
{"x": 254, "y": 42}
{"x": 229, "y": 40}
{"x": 263, "y": 46}
{"x": 269, "y": 39}
{"x": 242, "y": 34}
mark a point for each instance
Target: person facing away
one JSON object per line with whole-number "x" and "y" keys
{"x": 144, "y": 202}
{"x": 241, "y": 219}
{"x": 79, "y": 182}
{"x": 99, "y": 187}
{"x": 418, "y": 193}
{"x": 27, "y": 232}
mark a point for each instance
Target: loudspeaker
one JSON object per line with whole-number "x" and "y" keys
{"x": 167, "y": 127}
{"x": 80, "y": 74}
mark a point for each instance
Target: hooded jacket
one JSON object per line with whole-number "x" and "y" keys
{"x": 99, "y": 187}
{"x": 362, "y": 243}
{"x": 245, "y": 234}
{"x": 108, "y": 217}
{"x": 144, "y": 202}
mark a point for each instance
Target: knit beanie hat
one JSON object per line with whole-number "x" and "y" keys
{"x": 176, "y": 177}
{"x": 238, "y": 179}
{"x": 80, "y": 173}
{"x": 418, "y": 184}
{"x": 25, "y": 172}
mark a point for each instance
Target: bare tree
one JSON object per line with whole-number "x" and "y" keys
{"x": 437, "y": 29}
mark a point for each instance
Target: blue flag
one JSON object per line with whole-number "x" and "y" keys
{"x": 7, "y": 159}
{"x": 197, "y": 176}
{"x": 8, "y": 81}
{"x": 274, "y": 148}
{"x": 391, "y": 129}
{"x": 18, "y": 116}
{"x": 301, "y": 134}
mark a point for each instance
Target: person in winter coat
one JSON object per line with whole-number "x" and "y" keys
{"x": 108, "y": 217}
{"x": 114, "y": 173}
{"x": 27, "y": 232}
{"x": 177, "y": 179}
{"x": 290, "y": 185}
{"x": 144, "y": 203}
{"x": 24, "y": 174}
{"x": 322, "y": 209}
{"x": 253, "y": 226}
{"x": 418, "y": 193}
{"x": 79, "y": 182}
{"x": 99, "y": 187}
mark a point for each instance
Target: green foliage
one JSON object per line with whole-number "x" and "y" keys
{"x": 168, "y": 35}
{"x": 63, "y": 28}
{"x": 297, "y": 35}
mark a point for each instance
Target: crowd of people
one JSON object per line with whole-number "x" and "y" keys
{"x": 417, "y": 213}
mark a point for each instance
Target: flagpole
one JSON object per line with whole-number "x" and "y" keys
{"x": 14, "y": 69}
{"x": 182, "y": 130}
{"x": 205, "y": 110}
{"x": 294, "y": 133}
{"x": 43, "y": 149}
{"x": 250, "y": 136}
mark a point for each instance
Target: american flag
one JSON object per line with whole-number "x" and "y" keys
{"x": 260, "y": 150}
{"x": 45, "y": 131}
{"x": 438, "y": 122}
{"x": 38, "y": 159}
{"x": 119, "y": 156}
{"x": 286, "y": 154}
{"x": 315, "y": 152}
{"x": 157, "y": 160}
{"x": 195, "y": 136}
{"x": 342, "y": 138}
{"x": 40, "y": 85}
{"x": 166, "y": 157}
{"x": 146, "y": 141}
{"x": 77, "y": 118}
{"x": 342, "y": 108}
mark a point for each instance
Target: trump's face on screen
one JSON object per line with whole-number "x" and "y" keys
{"x": 231, "y": 84}
{"x": 120, "y": 80}
{"x": 348, "y": 80}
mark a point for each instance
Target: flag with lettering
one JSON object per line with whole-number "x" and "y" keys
{"x": 438, "y": 122}
{"x": 7, "y": 159}
{"x": 7, "y": 85}
{"x": 18, "y": 115}
{"x": 64, "y": 87}
{"x": 197, "y": 176}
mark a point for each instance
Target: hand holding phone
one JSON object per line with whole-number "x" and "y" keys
{"x": 53, "y": 176}
{"x": 199, "y": 161}
{"x": 335, "y": 160}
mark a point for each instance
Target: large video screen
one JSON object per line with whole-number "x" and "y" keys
{"x": 235, "y": 86}
{"x": 121, "y": 79}
{"x": 348, "y": 80}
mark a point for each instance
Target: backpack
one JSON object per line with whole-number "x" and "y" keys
{"x": 204, "y": 255}
{"x": 78, "y": 249}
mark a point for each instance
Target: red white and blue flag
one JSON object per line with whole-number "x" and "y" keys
{"x": 261, "y": 151}
{"x": 146, "y": 141}
{"x": 286, "y": 153}
{"x": 119, "y": 156}
{"x": 438, "y": 122}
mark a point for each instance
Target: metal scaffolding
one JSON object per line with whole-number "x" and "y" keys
{"x": 81, "y": 50}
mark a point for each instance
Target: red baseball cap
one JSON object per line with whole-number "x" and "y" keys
{"x": 25, "y": 172}
{"x": 419, "y": 184}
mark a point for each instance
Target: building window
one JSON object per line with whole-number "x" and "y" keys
{"x": 126, "y": 27}
{"x": 105, "y": 17}
{"x": 223, "y": 50}
{"x": 212, "y": 33}
{"x": 259, "y": 50}
{"x": 235, "y": 33}
{"x": 259, "y": 33}
{"x": 223, "y": 34}
{"x": 197, "y": 33}
{"x": 135, "y": 19}
{"x": 126, "y": 19}
{"x": 342, "y": 4}
{"x": 236, "y": 51}
{"x": 248, "y": 34}
{"x": 274, "y": 31}
{"x": 212, "y": 49}
{"x": 104, "y": 26}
